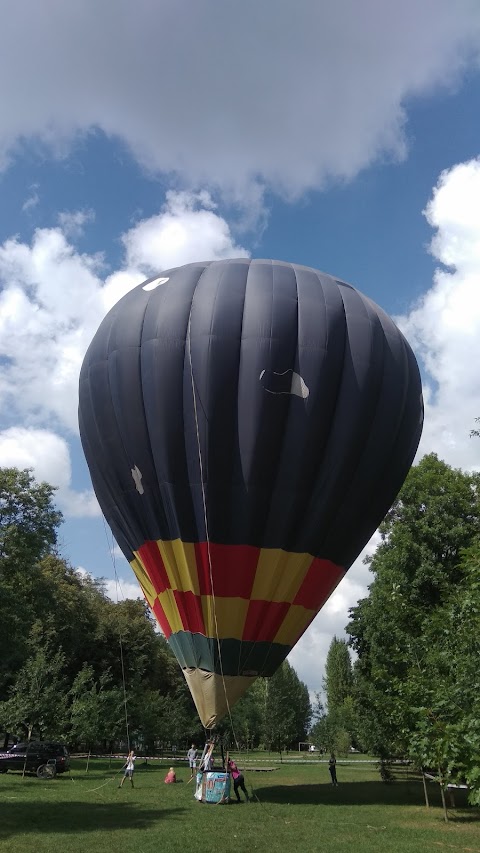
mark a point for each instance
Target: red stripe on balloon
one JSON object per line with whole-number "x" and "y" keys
{"x": 318, "y": 584}
{"x": 162, "y": 620}
{"x": 233, "y": 569}
{"x": 190, "y": 610}
{"x": 264, "y": 619}
{"x": 152, "y": 560}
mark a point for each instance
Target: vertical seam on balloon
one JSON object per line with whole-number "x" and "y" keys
{"x": 413, "y": 444}
{"x": 107, "y": 360}
{"x": 375, "y": 321}
{"x": 325, "y": 454}
{"x": 188, "y": 635}
{"x": 335, "y": 509}
{"x": 285, "y": 424}
{"x": 322, "y": 453}
{"x": 209, "y": 346}
{"x": 240, "y": 351}
{"x": 93, "y": 412}
{"x": 245, "y": 662}
{"x": 188, "y": 341}
{"x": 291, "y": 400}
{"x": 172, "y": 531}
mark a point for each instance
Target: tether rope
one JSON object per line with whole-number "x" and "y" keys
{"x": 120, "y": 636}
{"x": 111, "y": 550}
{"x": 210, "y": 566}
{"x": 205, "y": 516}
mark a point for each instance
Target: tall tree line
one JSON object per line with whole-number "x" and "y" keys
{"x": 416, "y": 636}
{"x": 335, "y": 727}
{"x": 76, "y": 665}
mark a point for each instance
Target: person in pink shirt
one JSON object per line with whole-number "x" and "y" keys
{"x": 238, "y": 780}
{"x": 170, "y": 777}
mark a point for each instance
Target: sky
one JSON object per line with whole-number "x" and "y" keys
{"x": 137, "y": 137}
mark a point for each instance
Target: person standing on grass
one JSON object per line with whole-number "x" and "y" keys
{"x": 129, "y": 768}
{"x": 238, "y": 781}
{"x": 332, "y": 766}
{"x": 192, "y": 760}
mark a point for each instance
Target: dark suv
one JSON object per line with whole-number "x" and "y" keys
{"x": 41, "y": 757}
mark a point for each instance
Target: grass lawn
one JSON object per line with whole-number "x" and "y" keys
{"x": 294, "y": 809}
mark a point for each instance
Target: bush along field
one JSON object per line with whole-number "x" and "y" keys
{"x": 293, "y": 807}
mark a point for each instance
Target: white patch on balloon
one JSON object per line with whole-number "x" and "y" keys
{"x": 151, "y": 284}
{"x": 287, "y": 382}
{"x": 137, "y": 479}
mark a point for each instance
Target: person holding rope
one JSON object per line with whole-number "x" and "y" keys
{"x": 238, "y": 780}
{"x": 129, "y": 768}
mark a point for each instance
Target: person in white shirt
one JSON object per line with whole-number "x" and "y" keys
{"x": 129, "y": 768}
{"x": 192, "y": 760}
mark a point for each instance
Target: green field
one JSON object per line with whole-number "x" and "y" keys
{"x": 294, "y": 809}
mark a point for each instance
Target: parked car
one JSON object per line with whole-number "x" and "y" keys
{"x": 41, "y": 757}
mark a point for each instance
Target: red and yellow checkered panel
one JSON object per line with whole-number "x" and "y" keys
{"x": 260, "y": 594}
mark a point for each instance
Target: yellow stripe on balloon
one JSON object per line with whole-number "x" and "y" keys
{"x": 180, "y": 564}
{"x": 296, "y": 621}
{"x": 143, "y": 579}
{"x": 279, "y": 574}
{"x": 169, "y": 607}
{"x": 230, "y": 616}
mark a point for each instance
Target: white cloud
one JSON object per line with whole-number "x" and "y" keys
{"x": 32, "y": 200}
{"x": 444, "y": 330}
{"x": 116, "y": 589}
{"x": 186, "y": 230}
{"x": 444, "y": 327}
{"x": 230, "y": 95}
{"x": 72, "y": 222}
{"x": 52, "y": 300}
{"x": 50, "y": 306}
{"x": 121, "y": 590}
{"x": 48, "y": 455}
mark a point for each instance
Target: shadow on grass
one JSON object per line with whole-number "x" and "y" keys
{"x": 352, "y": 794}
{"x": 19, "y": 818}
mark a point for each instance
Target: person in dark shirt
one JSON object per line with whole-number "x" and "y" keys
{"x": 332, "y": 766}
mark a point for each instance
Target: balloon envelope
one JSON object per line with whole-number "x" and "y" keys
{"x": 247, "y": 424}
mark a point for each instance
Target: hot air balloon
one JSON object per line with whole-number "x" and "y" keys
{"x": 247, "y": 424}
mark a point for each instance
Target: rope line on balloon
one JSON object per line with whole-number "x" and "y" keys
{"x": 205, "y": 516}
{"x": 210, "y": 566}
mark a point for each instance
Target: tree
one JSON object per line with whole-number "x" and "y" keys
{"x": 28, "y": 519}
{"x": 28, "y": 533}
{"x": 247, "y": 716}
{"x": 38, "y": 701}
{"x": 63, "y": 638}
{"x": 286, "y": 708}
{"x": 97, "y": 713}
{"x": 335, "y": 730}
{"x": 445, "y": 688}
{"x": 338, "y": 681}
{"x": 322, "y": 732}
{"x": 417, "y": 568}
